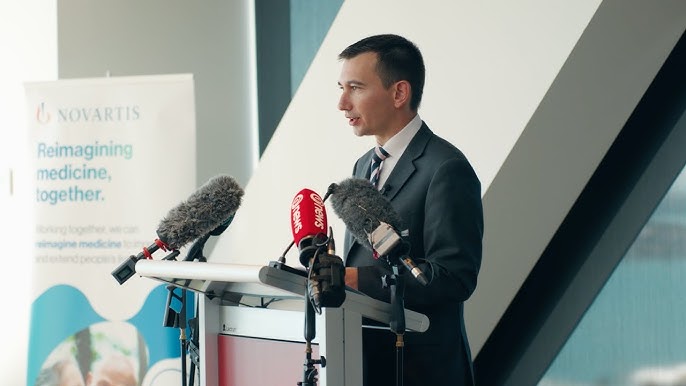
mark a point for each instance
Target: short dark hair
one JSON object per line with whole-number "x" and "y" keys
{"x": 398, "y": 59}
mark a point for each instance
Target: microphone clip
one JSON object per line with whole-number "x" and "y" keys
{"x": 383, "y": 239}
{"x": 127, "y": 268}
{"x": 385, "y": 242}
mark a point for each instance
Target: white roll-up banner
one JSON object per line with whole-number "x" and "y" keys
{"x": 111, "y": 157}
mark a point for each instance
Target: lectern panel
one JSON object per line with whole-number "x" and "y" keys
{"x": 256, "y": 361}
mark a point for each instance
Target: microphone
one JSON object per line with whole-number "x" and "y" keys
{"x": 209, "y": 210}
{"x": 308, "y": 224}
{"x": 373, "y": 222}
{"x": 206, "y": 209}
{"x": 326, "y": 278}
{"x": 326, "y": 274}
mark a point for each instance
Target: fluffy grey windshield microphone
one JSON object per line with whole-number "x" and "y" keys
{"x": 210, "y": 206}
{"x": 362, "y": 208}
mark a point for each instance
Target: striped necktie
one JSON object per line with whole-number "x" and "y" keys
{"x": 377, "y": 158}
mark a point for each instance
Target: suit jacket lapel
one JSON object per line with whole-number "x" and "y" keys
{"x": 405, "y": 166}
{"x": 364, "y": 169}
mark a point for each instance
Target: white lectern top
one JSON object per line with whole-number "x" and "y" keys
{"x": 224, "y": 281}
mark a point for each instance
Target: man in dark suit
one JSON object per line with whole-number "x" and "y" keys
{"x": 437, "y": 194}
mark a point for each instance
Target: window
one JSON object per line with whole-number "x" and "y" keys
{"x": 634, "y": 333}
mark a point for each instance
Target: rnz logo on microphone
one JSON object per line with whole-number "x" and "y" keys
{"x": 319, "y": 211}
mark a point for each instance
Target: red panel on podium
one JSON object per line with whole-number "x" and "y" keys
{"x": 256, "y": 361}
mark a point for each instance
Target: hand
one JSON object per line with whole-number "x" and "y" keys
{"x": 351, "y": 277}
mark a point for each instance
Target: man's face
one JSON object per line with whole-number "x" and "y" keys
{"x": 368, "y": 105}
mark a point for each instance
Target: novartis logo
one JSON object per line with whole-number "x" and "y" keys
{"x": 98, "y": 114}
{"x": 88, "y": 114}
{"x": 42, "y": 115}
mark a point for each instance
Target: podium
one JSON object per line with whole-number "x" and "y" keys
{"x": 251, "y": 324}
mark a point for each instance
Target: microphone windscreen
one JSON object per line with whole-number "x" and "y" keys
{"x": 362, "y": 207}
{"x": 212, "y": 205}
{"x": 308, "y": 215}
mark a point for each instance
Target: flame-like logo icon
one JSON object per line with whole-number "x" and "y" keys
{"x": 42, "y": 115}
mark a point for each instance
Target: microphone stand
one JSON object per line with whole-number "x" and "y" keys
{"x": 396, "y": 282}
{"x": 319, "y": 295}
{"x": 310, "y": 372}
{"x": 176, "y": 319}
{"x": 193, "y": 346}
{"x": 397, "y": 257}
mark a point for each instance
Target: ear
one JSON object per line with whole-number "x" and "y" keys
{"x": 402, "y": 92}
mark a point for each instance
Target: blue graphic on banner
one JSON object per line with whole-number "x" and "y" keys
{"x": 65, "y": 325}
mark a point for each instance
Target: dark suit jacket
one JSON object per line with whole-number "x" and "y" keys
{"x": 437, "y": 194}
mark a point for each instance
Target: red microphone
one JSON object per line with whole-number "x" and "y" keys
{"x": 308, "y": 223}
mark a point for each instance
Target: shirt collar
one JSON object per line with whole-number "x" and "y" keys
{"x": 398, "y": 143}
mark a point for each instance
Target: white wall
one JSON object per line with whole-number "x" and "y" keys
{"x": 28, "y": 37}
